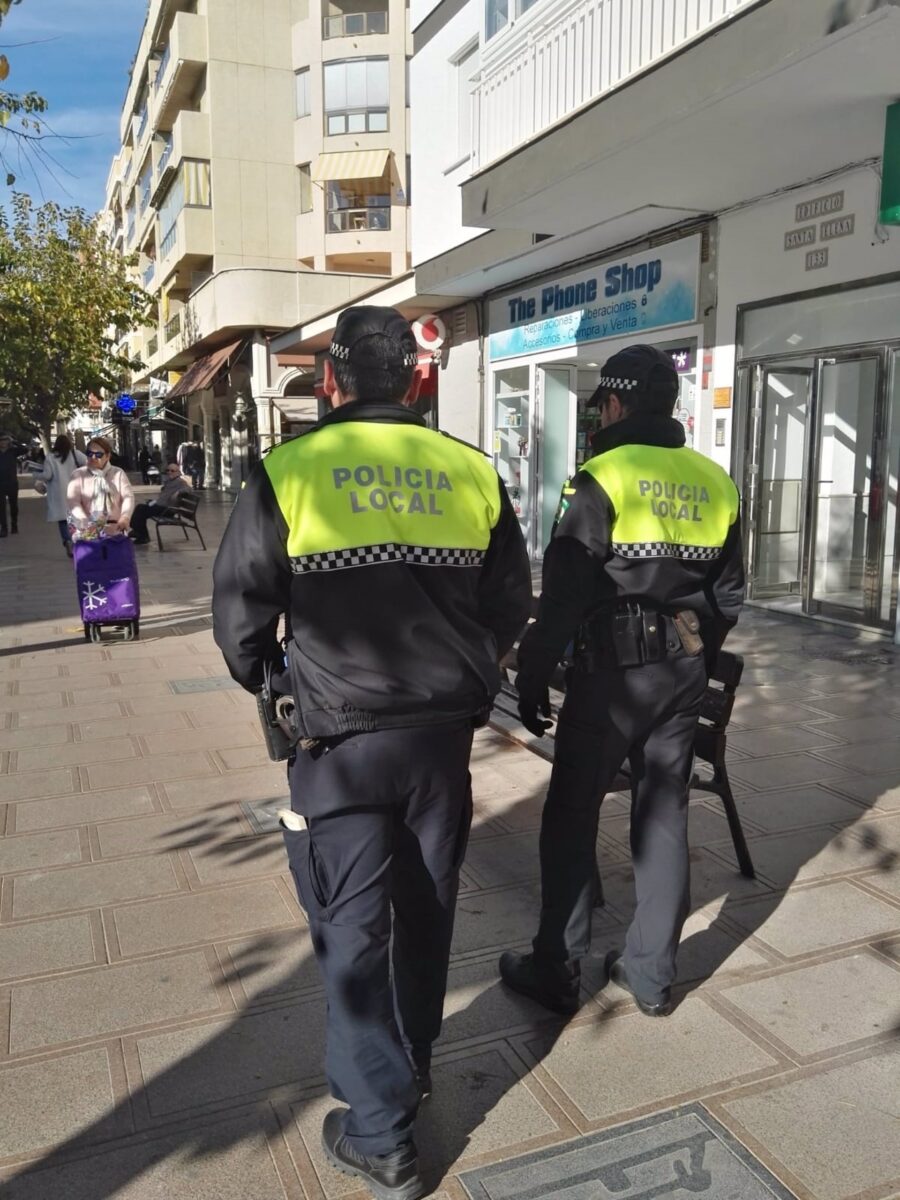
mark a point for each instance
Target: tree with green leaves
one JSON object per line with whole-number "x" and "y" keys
{"x": 20, "y": 124}
{"x": 66, "y": 301}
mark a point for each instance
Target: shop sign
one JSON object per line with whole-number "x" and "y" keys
{"x": 629, "y": 295}
{"x": 430, "y": 332}
{"x": 682, "y": 359}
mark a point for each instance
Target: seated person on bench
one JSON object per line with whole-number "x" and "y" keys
{"x": 164, "y": 504}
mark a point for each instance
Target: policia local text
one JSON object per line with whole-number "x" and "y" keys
{"x": 419, "y": 494}
{"x": 681, "y": 501}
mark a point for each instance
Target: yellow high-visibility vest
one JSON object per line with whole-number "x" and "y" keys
{"x": 360, "y": 492}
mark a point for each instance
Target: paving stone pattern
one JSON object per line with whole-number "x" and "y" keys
{"x": 162, "y": 1019}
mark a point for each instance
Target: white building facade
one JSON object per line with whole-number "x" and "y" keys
{"x": 698, "y": 174}
{"x": 262, "y": 178}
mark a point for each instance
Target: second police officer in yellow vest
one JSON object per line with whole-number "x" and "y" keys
{"x": 396, "y": 555}
{"x": 644, "y": 575}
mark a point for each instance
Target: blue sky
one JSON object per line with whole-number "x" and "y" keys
{"x": 83, "y": 73}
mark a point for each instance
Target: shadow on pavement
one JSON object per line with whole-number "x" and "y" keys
{"x": 253, "y": 1076}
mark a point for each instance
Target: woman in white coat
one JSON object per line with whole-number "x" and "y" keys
{"x": 56, "y": 472}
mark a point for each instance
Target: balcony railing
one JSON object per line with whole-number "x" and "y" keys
{"x": 349, "y": 220}
{"x": 142, "y": 122}
{"x": 129, "y": 227}
{"x": 152, "y": 346}
{"x": 167, "y": 245}
{"x": 555, "y": 59}
{"x": 356, "y": 24}
{"x": 163, "y": 67}
{"x": 143, "y": 190}
{"x": 147, "y": 274}
{"x": 168, "y": 146}
{"x": 173, "y": 327}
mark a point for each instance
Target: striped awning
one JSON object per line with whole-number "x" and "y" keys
{"x": 351, "y": 164}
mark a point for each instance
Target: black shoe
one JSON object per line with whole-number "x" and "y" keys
{"x": 392, "y": 1176}
{"x": 550, "y": 984}
{"x": 615, "y": 970}
{"x": 138, "y": 541}
{"x": 3, "y": 533}
{"x": 15, "y": 529}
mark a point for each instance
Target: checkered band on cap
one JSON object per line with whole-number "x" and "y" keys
{"x": 665, "y": 550}
{"x": 388, "y": 552}
{"x": 618, "y": 385}
{"x": 343, "y": 353}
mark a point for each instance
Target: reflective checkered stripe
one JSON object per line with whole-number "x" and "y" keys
{"x": 614, "y": 384}
{"x": 389, "y": 552}
{"x": 665, "y": 550}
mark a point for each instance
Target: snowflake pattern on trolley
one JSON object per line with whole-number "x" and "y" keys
{"x": 94, "y": 596}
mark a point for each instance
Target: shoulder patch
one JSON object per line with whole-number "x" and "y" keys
{"x": 564, "y": 501}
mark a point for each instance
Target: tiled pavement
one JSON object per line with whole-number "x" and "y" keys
{"x": 161, "y": 1017}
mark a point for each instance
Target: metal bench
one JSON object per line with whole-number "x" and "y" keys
{"x": 710, "y": 742}
{"x": 182, "y": 515}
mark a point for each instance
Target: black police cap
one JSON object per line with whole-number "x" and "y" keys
{"x": 360, "y": 328}
{"x": 638, "y": 369}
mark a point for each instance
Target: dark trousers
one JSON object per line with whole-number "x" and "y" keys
{"x": 647, "y": 715}
{"x": 388, "y": 816}
{"x": 142, "y": 514}
{"x": 9, "y": 493}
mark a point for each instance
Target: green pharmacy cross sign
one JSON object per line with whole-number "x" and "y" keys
{"x": 889, "y": 208}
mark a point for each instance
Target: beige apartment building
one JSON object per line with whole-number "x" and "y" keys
{"x": 262, "y": 178}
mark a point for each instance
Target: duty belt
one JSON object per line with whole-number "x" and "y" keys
{"x": 631, "y": 636}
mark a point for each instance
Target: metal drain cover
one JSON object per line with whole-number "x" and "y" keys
{"x": 678, "y": 1153}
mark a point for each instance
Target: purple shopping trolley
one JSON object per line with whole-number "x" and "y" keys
{"x": 107, "y": 581}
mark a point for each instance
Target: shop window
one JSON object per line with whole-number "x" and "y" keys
{"x": 357, "y": 204}
{"x": 356, "y": 96}
{"x": 466, "y": 70}
{"x": 306, "y": 197}
{"x": 301, "y": 79}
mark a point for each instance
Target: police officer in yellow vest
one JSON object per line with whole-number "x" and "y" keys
{"x": 395, "y": 552}
{"x": 644, "y": 575}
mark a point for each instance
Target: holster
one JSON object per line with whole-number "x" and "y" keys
{"x": 280, "y": 721}
{"x": 687, "y": 626}
{"x": 631, "y": 636}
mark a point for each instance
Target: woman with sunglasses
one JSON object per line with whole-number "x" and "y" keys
{"x": 99, "y": 493}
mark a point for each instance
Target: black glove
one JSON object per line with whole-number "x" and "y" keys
{"x": 534, "y": 698}
{"x": 280, "y": 682}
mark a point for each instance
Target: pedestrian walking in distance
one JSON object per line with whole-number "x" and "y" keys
{"x": 55, "y": 472}
{"x": 99, "y": 494}
{"x": 9, "y": 486}
{"x": 395, "y": 554}
{"x": 644, "y": 574}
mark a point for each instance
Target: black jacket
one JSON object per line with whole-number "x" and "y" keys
{"x": 386, "y": 643}
{"x": 9, "y": 469}
{"x": 584, "y": 578}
